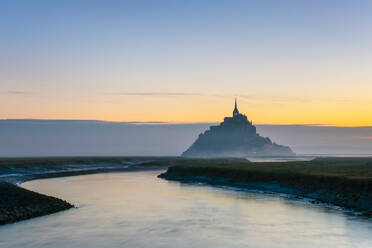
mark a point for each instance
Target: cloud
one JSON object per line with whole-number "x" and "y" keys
{"x": 282, "y": 99}
{"x": 15, "y": 92}
{"x": 273, "y": 98}
{"x": 364, "y": 137}
{"x": 251, "y": 98}
{"x": 141, "y": 122}
{"x": 156, "y": 94}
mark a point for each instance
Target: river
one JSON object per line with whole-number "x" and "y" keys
{"x": 137, "y": 209}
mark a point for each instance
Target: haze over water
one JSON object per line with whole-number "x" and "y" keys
{"x": 95, "y": 138}
{"x": 139, "y": 210}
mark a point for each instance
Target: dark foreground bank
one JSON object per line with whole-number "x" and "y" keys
{"x": 345, "y": 182}
{"x": 19, "y": 204}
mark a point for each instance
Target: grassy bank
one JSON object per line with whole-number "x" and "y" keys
{"x": 345, "y": 182}
{"x": 45, "y": 162}
{"x": 31, "y": 162}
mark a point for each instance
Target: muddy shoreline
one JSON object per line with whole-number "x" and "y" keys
{"x": 353, "y": 194}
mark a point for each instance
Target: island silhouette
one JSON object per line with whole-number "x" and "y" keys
{"x": 236, "y": 136}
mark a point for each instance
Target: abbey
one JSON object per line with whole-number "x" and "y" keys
{"x": 236, "y": 136}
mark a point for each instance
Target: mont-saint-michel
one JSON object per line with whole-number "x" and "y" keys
{"x": 118, "y": 127}
{"x": 236, "y": 136}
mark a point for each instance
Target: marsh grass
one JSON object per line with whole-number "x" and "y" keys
{"x": 346, "y": 182}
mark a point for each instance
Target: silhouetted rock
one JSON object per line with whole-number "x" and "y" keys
{"x": 236, "y": 136}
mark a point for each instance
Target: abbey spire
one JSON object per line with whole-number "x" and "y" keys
{"x": 236, "y": 111}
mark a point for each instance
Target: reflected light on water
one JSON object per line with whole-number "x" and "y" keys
{"x": 139, "y": 210}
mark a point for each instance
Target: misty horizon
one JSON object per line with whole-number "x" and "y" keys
{"x": 31, "y": 137}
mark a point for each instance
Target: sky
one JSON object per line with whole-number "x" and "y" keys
{"x": 287, "y": 62}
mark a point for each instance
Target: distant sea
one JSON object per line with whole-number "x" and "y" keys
{"x": 99, "y": 138}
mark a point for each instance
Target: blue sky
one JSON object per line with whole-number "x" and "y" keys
{"x": 94, "y": 59}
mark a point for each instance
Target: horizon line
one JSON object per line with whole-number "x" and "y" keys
{"x": 179, "y": 123}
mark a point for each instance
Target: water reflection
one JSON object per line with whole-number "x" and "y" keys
{"x": 139, "y": 210}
